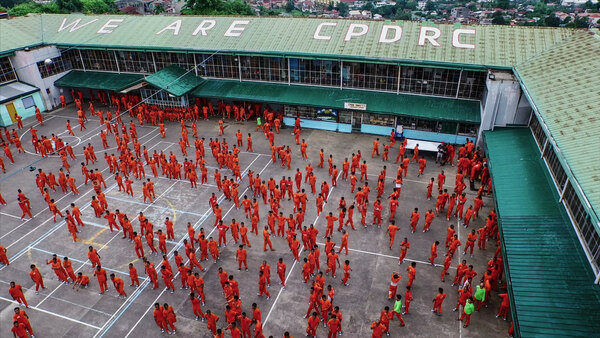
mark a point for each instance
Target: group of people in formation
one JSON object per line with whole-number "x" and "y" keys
{"x": 129, "y": 167}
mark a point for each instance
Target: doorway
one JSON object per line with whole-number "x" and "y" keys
{"x": 356, "y": 120}
{"x": 12, "y": 111}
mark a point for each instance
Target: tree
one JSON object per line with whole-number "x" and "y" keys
{"x": 70, "y": 5}
{"x": 98, "y": 6}
{"x": 343, "y": 8}
{"x": 551, "y": 21}
{"x": 217, "y": 7}
{"x": 430, "y": 6}
{"x": 289, "y": 6}
{"x": 368, "y": 7}
{"x": 498, "y": 18}
{"x": 504, "y": 4}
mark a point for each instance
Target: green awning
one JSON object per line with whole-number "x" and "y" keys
{"x": 99, "y": 80}
{"x": 550, "y": 282}
{"x": 175, "y": 80}
{"x": 435, "y": 108}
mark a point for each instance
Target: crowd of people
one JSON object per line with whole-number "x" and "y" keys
{"x": 128, "y": 164}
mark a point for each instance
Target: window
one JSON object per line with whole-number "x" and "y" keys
{"x": 472, "y": 85}
{"x": 259, "y": 68}
{"x": 315, "y": 72}
{"x": 558, "y": 173}
{"x": 135, "y": 62}
{"x": 28, "y": 102}
{"x": 429, "y": 81}
{"x": 7, "y": 73}
{"x": 69, "y": 59}
{"x": 99, "y": 60}
{"x": 161, "y": 98}
{"x": 379, "y": 120}
{"x": 467, "y": 129}
{"x": 538, "y": 132}
{"x": 301, "y": 112}
{"x": 370, "y": 76}
{"x": 163, "y": 60}
{"x": 583, "y": 222}
{"x": 218, "y": 66}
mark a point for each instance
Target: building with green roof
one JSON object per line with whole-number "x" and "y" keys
{"x": 425, "y": 81}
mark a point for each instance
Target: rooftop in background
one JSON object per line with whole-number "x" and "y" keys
{"x": 15, "y": 89}
{"x": 495, "y": 46}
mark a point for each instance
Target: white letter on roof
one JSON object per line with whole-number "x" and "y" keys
{"x": 175, "y": 27}
{"x": 318, "y": 36}
{"x": 109, "y": 24}
{"x": 73, "y": 25}
{"x": 384, "y": 33}
{"x": 204, "y": 26}
{"x": 431, "y": 38}
{"x": 234, "y": 30}
{"x": 456, "y": 36}
{"x": 352, "y": 30}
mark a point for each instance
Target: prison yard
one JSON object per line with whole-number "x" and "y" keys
{"x": 256, "y": 177}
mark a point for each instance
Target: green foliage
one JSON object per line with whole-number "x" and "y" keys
{"x": 551, "y": 21}
{"x": 11, "y": 3}
{"x": 34, "y": 7}
{"x": 217, "y": 7}
{"x": 289, "y": 6}
{"x": 343, "y": 8}
{"x": 70, "y": 5}
{"x": 498, "y": 18}
{"x": 98, "y": 6}
{"x": 504, "y": 4}
{"x": 430, "y": 6}
{"x": 402, "y": 15}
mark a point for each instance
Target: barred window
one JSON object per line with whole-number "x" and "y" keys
{"x": 69, "y": 59}
{"x": 472, "y": 85}
{"x": 370, "y": 76}
{"x": 259, "y": 68}
{"x": 99, "y": 60}
{"x": 556, "y": 169}
{"x": 135, "y": 62}
{"x": 315, "y": 72}
{"x": 583, "y": 222}
{"x": 7, "y": 73}
{"x": 183, "y": 60}
{"x": 218, "y": 66}
{"x": 538, "y": 132}
{"x": 429, "y": 81}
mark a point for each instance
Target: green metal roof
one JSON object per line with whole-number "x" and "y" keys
{"x": 99, "y": 80}
{"x": 435, "y": 108}
{"x": 499, "y": 46}
{"x": 549, "y": 279}
{"x": 175, "y": 80}
{"x": 564, "y": 84}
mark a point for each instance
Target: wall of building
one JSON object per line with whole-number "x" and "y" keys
{"x": 5, "y": 119}
{"x": 25, "y": 63}
{"x": 503, "y": 105}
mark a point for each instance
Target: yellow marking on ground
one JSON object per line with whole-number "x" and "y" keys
{"x": 174, "y": 213}
{"x": 91, "y": 240}
{"x": 126, "y": 265}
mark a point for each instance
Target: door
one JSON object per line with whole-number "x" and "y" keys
{"x": 356, "y": 120}
{"x": 12, "y": 111}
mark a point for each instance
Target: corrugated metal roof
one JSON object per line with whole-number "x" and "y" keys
{"x": 435, "y": 108}
{"x": 13, "y": 90}
{"x": 98, "y": 80}
{"x": 20, "y": 32}
{"x": 175, "y": 80}
{"x": 500, "y": 46}
{"x": 564, "y": 83}
{"x": 549, "y": 279}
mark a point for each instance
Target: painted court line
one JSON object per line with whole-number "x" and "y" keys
{"x": 78, "y": 261}
{"x": 295, "y": 261}
{"x": 54, "y": 314}
{"x": 195, "y": 226}
{"x": 64, "y": 300}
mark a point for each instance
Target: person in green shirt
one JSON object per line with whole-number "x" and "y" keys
{"x": 467, "y": 311}
{"x": 258, "y": 123}
{"x": 398, "y": 309}
{"x": 479, "y": 295}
